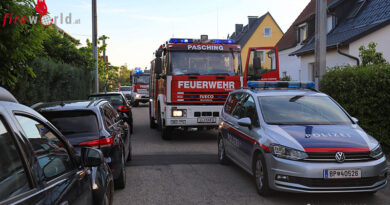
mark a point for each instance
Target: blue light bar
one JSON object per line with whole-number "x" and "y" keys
{"x": 224, "y": 41}
{"x": 181, "y": 40}
{"x": 138, "y": 71}
{"x": 280, "y": 84}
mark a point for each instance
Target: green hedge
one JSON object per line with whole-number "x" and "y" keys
{"x": 364, "y": 91}
{"x": 53, "y": 82}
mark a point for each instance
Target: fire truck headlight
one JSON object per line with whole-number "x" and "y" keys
{"x": 179, "y": 113}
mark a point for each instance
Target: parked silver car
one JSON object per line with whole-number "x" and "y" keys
{"x": 126, "y": 91}
{"x": 293, "y": 138}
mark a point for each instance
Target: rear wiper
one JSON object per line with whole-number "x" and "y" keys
{"x": 295, "y": 98}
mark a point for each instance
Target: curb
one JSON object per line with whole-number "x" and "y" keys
{"x": 388, "y": 162}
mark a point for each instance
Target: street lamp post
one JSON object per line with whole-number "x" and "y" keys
{"x": 94, "y": 46}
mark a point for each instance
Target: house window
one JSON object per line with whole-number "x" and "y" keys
{"x": 331, "y": 23}
{"x": 302, "y": 33}
{"x": 356, "y": 9}
{"x": 267, "y": 32}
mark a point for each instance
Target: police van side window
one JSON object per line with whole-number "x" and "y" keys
{"x": 249, "y": 110}
{"x": 232, "y": 102}
{"x": 51, "y": 153}
{"x": 13, "y": 179}
{"x": 238, "y": 111}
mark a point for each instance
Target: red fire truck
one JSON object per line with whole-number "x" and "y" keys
{"x": 191, "y": 79}
{"x": 140, "y": 82}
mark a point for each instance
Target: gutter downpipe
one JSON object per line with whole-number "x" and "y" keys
{"x": 347, "y": 55}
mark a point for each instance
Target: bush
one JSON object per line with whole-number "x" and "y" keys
{"x": 53, "y": 82}
{"x": 364, "y": 91}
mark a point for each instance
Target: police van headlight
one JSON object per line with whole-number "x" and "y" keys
{"x": 287, "y": 152}
{"x": 377, "y": 152}
{"x": 179, "y": 113}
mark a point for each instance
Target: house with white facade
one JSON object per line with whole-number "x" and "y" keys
{"x": 351, "y": 24}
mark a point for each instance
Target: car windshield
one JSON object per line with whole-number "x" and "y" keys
{"x": 143, "y": 79}
{"x": 302, "y": 110}
{"x": 113, "y": 99}
{"x": 125, "y": 88}
{"x": 73, "y": 122}
{"x": 200, "y": 63}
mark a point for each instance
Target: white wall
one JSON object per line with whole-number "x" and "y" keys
{"x": 289, "y": 64}
{"x": 333, "y": 58}
{"x": 381, "y": 37}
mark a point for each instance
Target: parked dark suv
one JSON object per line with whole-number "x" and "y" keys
{"x": 39, "y": 166}
{"x": 93, "y": 124}
{"x": 119, "y": 102}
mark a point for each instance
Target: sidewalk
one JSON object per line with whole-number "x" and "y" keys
{"x": 388, "y": 162}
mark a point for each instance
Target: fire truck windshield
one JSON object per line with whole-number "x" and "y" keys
{"x": 143, "y": 79}
{"x": 202, "y": 63}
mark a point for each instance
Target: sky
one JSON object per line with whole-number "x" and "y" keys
{"x": 137, "y": 28}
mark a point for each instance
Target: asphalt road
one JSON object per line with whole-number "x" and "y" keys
{"x": 186, "y": 171}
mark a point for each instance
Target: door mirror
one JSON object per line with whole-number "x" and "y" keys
{"x": 355, "y": 120}
{"x": 158, "y": 66}
{"x": 245, "y": 122}
{"x": 91, "y": 157}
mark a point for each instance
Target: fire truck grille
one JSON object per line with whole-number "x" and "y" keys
{"x": 204, "y": 96}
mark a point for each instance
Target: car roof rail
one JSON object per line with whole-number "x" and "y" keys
{"x": 36, "y": 105}
{"x": 98, "y": 101}
{"x": 5, "y": 95}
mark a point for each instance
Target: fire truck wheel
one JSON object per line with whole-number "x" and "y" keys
{"x": 152, "y": 124}
{"x": 166, "y": 133}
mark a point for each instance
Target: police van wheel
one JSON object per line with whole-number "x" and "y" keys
{"x": 260, "y": 176}
{"x": 222, "y": 158}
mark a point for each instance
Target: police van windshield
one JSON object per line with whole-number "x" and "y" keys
{"x": 202, "y": 63}
{"x": 143, "y": 79}
{"x": 302, "y": 110}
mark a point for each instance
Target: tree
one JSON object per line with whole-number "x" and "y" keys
{"x": 370, "y": 56}
{"x": 124, "y": 75}
{"x": 62, "y": 48}
{"x": 19, "y": 43}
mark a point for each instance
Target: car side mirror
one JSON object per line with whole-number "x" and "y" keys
{"x": 245, "y": 122}
{"x": 91, "y": 157}
{"x": 355, "y": 120}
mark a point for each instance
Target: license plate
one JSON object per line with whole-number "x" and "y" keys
{"x": 342, "y": 173}
{"x": 207, "y": 120}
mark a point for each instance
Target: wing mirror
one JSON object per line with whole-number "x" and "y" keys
{"x": 355, "y": 120}
{"x": 245, "y": 122}
{"x": 91, "y": 157}
{"x": 158, "y": 66}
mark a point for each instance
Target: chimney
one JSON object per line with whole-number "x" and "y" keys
{"x": 251, "y": 20}
{"x": 239, "y": 28}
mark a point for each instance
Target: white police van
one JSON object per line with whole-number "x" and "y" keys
{"x": 293, "y": 138}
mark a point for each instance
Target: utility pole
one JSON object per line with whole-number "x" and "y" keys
{"x": 94, "y": 46}
{"x": 105, "y": 61}
{"x": 320, "y": 41}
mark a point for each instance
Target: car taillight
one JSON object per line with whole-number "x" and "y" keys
{"x": 105, "y": 142}
{"x": 123, "y": 108}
